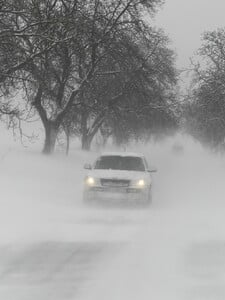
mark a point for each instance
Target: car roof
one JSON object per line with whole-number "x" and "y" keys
{"x": 124, "y": 154}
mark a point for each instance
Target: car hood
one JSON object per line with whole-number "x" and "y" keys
{"x": 119, "y": 174}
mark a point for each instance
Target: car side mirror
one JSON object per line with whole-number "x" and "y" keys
{"x": 87, "y": 166}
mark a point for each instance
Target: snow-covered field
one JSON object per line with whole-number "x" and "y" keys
{"x": 52, "y": 247}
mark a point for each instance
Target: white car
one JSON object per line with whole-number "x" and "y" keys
{"x": 118, "y": 176}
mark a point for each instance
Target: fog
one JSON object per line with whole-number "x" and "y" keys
{"x": 186, "y": 21}
{"x": 52, "y": 246}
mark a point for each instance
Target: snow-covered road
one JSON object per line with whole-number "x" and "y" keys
{"x": 52, "y": 247}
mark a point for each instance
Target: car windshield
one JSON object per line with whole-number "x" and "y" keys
{"x": 130, "y": 163}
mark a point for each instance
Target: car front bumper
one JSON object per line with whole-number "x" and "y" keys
{"x": 122, "y": 194}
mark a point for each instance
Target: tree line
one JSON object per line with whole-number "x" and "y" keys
{"x": 204, "y": 108}
{"x": 87, "y": 67}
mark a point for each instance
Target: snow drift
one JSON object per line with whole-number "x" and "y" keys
{"x": 54, "y": 247}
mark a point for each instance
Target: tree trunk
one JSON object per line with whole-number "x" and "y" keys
{"x": 67, "y": 141}
{"x": 86, "y": 142}
{"x": 51, "y": 131}
{"x": 104, "y": 140}
{"x": 89, "y": 133}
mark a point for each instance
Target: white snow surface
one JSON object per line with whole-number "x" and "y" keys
{"x": 52, "y": 247}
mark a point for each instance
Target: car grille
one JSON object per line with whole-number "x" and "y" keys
{"x": 115, "y": 182}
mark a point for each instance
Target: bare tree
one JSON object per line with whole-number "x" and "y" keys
{"x": 136, "y": 77}
{"x": 205, "y": 108}
{"x": 60, "y": 44}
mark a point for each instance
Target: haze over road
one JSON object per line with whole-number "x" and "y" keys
{"x": 53, "y": 247}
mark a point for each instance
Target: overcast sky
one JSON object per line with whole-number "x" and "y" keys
{"x": 185, "y": 20}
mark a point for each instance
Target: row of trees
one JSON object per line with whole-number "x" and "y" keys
{"x": 97, "y": 66}
{"x": 205, "y": 108}
{"x": 87, "y": 66}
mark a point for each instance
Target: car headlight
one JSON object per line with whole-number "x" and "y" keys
{"x": 141, "y": 183}
{"x": 90, "y": 181}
